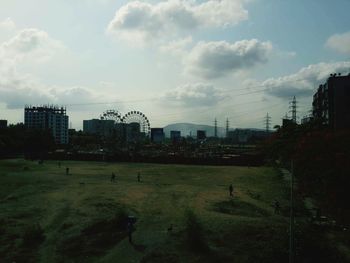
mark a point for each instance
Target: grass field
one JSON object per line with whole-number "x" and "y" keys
{"x": 48, "y": 216}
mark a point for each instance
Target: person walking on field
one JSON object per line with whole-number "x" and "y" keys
{"x": 231, "y": 190}
{"x": 130, "y": 229}
{"x": 138, "y": 177}
{"x": 113, "y": 177}
{"x": 277, "y": 207}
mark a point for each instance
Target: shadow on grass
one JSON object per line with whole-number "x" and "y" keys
{"x": 95, "y": 239}
{"x": 240, "y": 208}
{"x": 160, "y": 257}
{"x": 139, "y": 247}
{"x": 195, "y": 233}
{"x": 32, "y": 237}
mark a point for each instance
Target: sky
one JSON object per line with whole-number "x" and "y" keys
{"x": 174, "y": 60}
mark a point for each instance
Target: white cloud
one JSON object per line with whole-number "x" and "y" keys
{"x": 194, "y": 95}
{"x": 177, "y": 47}
{"x": 7, "y": 24}
{"x": 8, "y": 29}
{"x": 305, "y": 81}
{"x": 339, "y": 43}
{"x": 217, "y": 59}
{"x": 141, "y": 22}
{"x": 30, "y": 43}
{"x": 221, "y": 13}
{"x": 17, "y": 89}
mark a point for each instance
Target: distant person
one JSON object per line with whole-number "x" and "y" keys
{"x": 67, "y": 171}
{"x": 130, "y": 228}
{"x": 231, "y": 190}
{"x": 113, "y": 177}
{"x": 59, "y": 164}
{"x": 138, "y": 177}
{"x": 318, "y": 213}
{"x": 277, "y": 207}
{"x": 170, "y": 228}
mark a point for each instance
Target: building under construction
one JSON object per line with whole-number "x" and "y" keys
{"x": 50, "y": 118}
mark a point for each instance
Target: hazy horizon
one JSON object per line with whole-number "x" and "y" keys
{"x": 176, "y": 61}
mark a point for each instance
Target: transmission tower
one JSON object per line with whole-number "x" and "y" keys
{"x": 293, "y": 109}
{"x": 267, "y": 122}
{"x": 227, "y": 127}
{"x": 215, "y": 128}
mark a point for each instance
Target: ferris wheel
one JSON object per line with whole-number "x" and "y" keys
{"x": 140, "y": 118}
{"x": 111, "y": 115}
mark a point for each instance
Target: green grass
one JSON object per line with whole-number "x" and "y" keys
{"x": 48, "y": 216}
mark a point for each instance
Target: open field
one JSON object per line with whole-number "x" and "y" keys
{"x": 48, "y": 216}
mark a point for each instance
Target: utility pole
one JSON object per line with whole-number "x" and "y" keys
{"x": 215, "y": 128}
{"x": 267, "y": 122}
{"x": 291, "y": 220}
{"x": 227, "y": 127}
{"x": 293, "y": 109}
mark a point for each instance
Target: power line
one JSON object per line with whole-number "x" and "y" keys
{"x": 246, "y": 113}
{"x": 205, "y": 110}
{"x": 174, "y": 97}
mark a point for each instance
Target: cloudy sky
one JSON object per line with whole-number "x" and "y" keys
{"x": 174, "y": 60}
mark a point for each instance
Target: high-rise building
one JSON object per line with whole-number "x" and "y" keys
{"x": 157, "y": 135}
{"x": 50, "y": 118}
{"x": 331, "y": 102}
{"x": 132, "y": 132}
{"x": 99, "y": 127}
{"x": 175, "y": 136}
{"x": 201, "y": 135}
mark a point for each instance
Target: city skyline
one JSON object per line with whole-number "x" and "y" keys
{"x": 176, "y": 61}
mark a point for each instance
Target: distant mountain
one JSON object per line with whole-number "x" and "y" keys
{"x": 190, "y": 128}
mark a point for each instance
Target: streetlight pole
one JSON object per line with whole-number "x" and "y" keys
{"x": 291, "y": 223}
